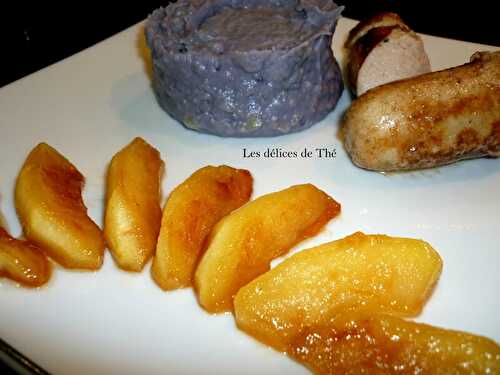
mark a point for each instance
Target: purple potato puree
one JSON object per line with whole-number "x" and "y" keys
{"x": 245, "y": 68}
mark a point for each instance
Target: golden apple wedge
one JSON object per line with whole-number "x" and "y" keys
{"x": 370, "y": 273}
{"x": 133, "y": 212}
{"x": 3, "y": 223}
{"x": 191, "y": 211}
{"x": 384, "y": 344}
{"x": 48, "y": 197}
{"x": 242, "y": 245}
{"x": 23, "y": 261}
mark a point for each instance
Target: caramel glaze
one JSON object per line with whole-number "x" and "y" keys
{"x": 429, "y": 120}
{"x": 191, "y": 212}
{"x": 22, "y": 261}
{"x": 389, "y": 345}
{"x": 48, "y": 198}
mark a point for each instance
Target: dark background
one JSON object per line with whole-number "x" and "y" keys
{"x": 39, "y": 34}
{"x": 36, "y": 35}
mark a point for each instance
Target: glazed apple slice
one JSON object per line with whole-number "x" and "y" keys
{"x": 389, "y": 345}
{"x": 49, "y": 203}
{"x": 242, "y": 245}
{"x": 133, "y": 212}
{"x": 23, "y": 261}
{"x": 370, "y": 273}
{"x": 191, "y": 211}
{"x": 3, "y": 223}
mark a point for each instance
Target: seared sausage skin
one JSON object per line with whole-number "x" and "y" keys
{"x": 429, "y": 120}
{"x": 383, "y": 49}
{"x": 382, "y": 19}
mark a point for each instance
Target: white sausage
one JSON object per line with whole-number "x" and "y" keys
{"x": 429, "y": 120}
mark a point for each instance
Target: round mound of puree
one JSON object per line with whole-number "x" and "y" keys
{"x": 245, "y": 68}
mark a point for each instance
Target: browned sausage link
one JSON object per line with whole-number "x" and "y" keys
{"x": 429, "y": 120}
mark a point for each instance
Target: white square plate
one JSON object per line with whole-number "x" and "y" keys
{"x": 92, "y": 104}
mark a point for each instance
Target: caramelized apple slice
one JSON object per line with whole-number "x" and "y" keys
{"x": 3, "y": 223}
{"x": 242, "y": 244}
{"x": 133, "y": 213}
{"x": 22, "y": 261}
{"x": 50, "y": 206}
{"x": 373, "y": 273}
{"x": 190, "y": 213}
{"x": 390, "y": 345}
